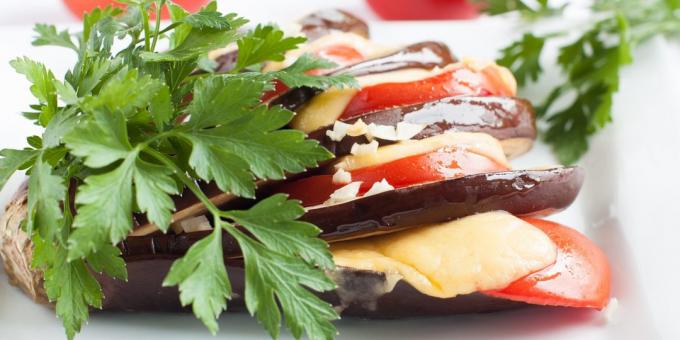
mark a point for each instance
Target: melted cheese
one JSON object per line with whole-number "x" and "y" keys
{"x": 479, "y": 252}
{"x": 479, "y": 143}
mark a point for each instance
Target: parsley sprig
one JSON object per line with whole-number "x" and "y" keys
{"x": 576, "y": 109}
{"x": 115, "y": 133}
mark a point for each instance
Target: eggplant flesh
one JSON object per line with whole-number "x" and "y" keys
{"x": 360, "y": 293}
{"x": 519, "y": 192}
{"x": 504, "y": 118}
{"x": 425, "y": 55}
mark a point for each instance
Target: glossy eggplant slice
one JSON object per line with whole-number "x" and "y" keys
{"x": 509, "y": 119}
{"x": 519, "y": 192}
{"x": 425, "y": 55}
{"x": 360, "y": 293}
{"x": 320, "y": 23}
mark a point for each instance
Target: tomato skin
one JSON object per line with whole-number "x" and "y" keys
{"x": 460, "y": 80}
{"x": 580, "y": 277}
{"x": 424, "y": 9}
{"x": 441, "y": 164}
{"x": 79, "y": 7}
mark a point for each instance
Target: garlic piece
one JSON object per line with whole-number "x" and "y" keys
{"x": 364, "y": 149}
{"x": 384, "y": 132}
{"x": 342, "y": 177}
{"x": 357, "y": 129}
{"x": 339, "y": 131}
{"x": 406, "y": 131}
{"x": 344, "y": 194}
{"x": 379, "y": 187}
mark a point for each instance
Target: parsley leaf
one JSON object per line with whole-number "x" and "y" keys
{"x": 273, "y": 222}
{"x": 13, "y": 160}
{"x": 202, "y": 279}
{"x": 271, "y": 275}
{"x": 45, "y": 192}
{"x": 153, "y": 187}
{"x": 262, "y": 44}
{"x": 48, "y": 35}
{"x": 295, "y": 75}
{"x": 99, "y": 141}
{"x": 42, "y": 86}
{"x": 591, "y": 64}
{"x": 199, "y": 41}
{"x": 104, "y": 210}
{"x": 523, "y": 57}
{"x": 69, "y": 283}
{"x": 208, "y": 19}
{"x": 270, "y": 153}
{"x": 221, "y": 100}
{"x": 107, "y": 260}
{"x": 122, "y": 141}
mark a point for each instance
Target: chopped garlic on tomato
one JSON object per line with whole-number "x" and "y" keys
{"x": 406, "y": 131}
{"x": 364, "y": 149}
{"x": 357, "y": 129}
{"x": 342, "y": 177}
{"x": 384, "y": 132}
{"x": 339, "y": 131}
{"x": 344, "y": 194}
{"x": 379, "y": 187}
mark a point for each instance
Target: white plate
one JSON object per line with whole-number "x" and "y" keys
{"x": 628, "y": 205}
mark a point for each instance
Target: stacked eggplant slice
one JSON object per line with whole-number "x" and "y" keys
{"x": 422, "y": 210}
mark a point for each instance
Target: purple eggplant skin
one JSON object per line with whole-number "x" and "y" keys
{"x": 519, "y": 192}
{"x": 425, "y": 55}
{"x": 501, "y": 117}
{"x": 360, "y": 293}
{"x": 323, "y": 22}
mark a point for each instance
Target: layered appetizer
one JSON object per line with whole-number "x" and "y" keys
{"x": 419, "y": 203}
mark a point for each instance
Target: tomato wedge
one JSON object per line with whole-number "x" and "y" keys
{"x": 580, "y": 277}
{"x": 440, "y": 164}
{"x": 460, "y": 80}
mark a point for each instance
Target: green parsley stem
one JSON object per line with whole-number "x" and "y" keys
{"x": 145, "y": 23}
{"x": 159, "y": 7}
{"x": 181, "y": 174}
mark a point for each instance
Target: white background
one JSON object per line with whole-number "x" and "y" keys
{"x": 630, "y": 203}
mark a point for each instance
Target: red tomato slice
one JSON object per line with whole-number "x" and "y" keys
{"x": 432, "y": 166}
{"x": 342, "y": 55}
{"x": 580, "y": 277}
{"x": 458, "y": 81}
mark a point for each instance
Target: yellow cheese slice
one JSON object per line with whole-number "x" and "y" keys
{"x": 477, "y": 142}
{"x": 476, "y": 253}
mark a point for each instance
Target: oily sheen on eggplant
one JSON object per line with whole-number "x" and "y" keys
{"x": 425, "y": 55}
{"x": 359, "y": 293}
{"x": 505, "y": 118}
{"x": 519, "y": 192}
